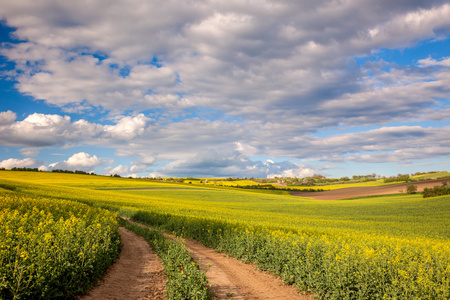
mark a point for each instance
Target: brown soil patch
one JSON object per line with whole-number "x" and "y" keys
{"x": 368, "y": 190}
{"x": 137, "y": 274}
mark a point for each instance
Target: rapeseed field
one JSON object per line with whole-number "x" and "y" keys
{"x": 387, "y": 247}
{"x": 52, "y": 248}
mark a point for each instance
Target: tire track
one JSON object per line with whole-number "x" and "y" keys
{"x": 137, "y": 274}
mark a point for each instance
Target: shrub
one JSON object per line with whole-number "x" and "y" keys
{"x": 444, "y": 189}
{"x": 411, "y": 189}
{"x": 398, "y": 178}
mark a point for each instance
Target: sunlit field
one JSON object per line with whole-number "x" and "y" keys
{"x": 316, "y": 187}
{"x": 52, "y": 248}
{"x": 367, "y": 248}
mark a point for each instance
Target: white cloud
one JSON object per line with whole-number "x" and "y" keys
{"x": 70, "y": 78}
{"x": 43, "y": 168}
{"x": 7, "y": 118}
{"x": 41, "y": 130}
{"x": 80, "y": 161}
{"x": 405, "y": 29}
{"x": 120, "y": 170}
{"x": 37, "y": 130}
{"x": 429, "y": 62}
{"x": 84, "y": 160}
{"x": 127, "y": 127}
{"x": 19, "y": 163}
{"x": 139, "y": 168}
{"x": 299, "y": 172}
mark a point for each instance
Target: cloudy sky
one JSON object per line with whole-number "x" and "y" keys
{"x": 225, "y": 88}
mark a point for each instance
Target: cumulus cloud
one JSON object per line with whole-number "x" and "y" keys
{"x": 299, "y": 172}
{"x": 42, "y": 130}
{"x": 120, "y": 170}
{"x": 7, "y": 118}
{"x": 80, "y": 161}
{"x": 127, "y": 127}
{"x": 20, "y": 163}
{"x": 139, "y": 168}
{"x": 37, "y": 130}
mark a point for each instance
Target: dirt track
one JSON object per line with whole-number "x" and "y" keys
{"x": 230, "y": 277}
{"x": 137, "y": 274}
{"x": 368, "y": 190}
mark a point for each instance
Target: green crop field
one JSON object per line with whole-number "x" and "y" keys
{"x": 387, "y": 247}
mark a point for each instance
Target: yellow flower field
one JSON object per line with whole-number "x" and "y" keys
{"x": 388, "y": 247}
{"x": 52, "y": 248}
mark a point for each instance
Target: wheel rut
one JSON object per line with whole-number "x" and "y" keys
{"x": 137, "y": 273}
{"x": 231, "y": 278}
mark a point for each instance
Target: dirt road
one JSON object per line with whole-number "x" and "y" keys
{"x": 368, "y": 190}
{"x": 137, "y": 274}
{"x": 232, "y": 278}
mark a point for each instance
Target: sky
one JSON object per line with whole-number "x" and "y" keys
{"x": 225, "y": 88}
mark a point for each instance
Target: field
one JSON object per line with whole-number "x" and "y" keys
{"x": 51, "y": 248}
{"x": 369, "y": 248}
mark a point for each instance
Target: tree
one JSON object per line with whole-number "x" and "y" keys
{"x": 411, "y": 189}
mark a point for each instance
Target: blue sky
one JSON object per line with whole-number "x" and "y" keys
{"x": 219, "y": 89}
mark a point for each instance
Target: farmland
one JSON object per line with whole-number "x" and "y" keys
{"x": 368, "y": 248}
{"x": 52, "y": 248}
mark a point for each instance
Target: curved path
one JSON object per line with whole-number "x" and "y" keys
{"x": 137, "y": 274}
{"x": 345, "y": 193}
